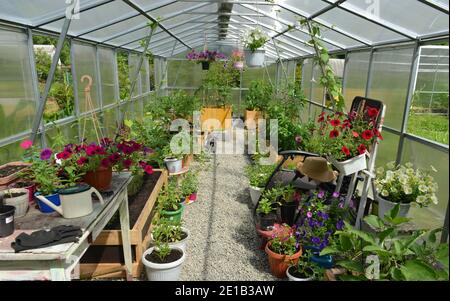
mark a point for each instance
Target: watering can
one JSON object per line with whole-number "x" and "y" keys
{"x": 75, "y": 201}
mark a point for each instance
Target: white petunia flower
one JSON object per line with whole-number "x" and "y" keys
{"x": 408, "y": 190}
{"x": 385, "y": 193}
{"x": 421, "y": 199}
{"x": 423, "y": 188}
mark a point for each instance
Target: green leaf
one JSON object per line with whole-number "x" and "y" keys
{"x": 394, "y": 212}
{"x": 382, "y": 235}
{"x": 417, "y": 270}
{"x": 352, "y": 278}
{"x": 363, "y": 235}
{"x": 351, "y": 265}
{"x": 442, "y": 255}
{"x": 325, "y": 57}
{"x": 329, "y": 250}
{"x": 400, "y": 220}
{"x": 374, "y": 221}
{"x": 346, "y": 243}
{"x": 396, "y": 274}
{"x": 376, "y": 249}
{"x": 128, "y": 123}
{"x": 398, "y": 247}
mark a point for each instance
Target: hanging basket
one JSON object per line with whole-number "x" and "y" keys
{"x": 255, "y": 59}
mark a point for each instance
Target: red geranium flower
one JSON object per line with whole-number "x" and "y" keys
{"x": 335, "y": 122}
{"x": 334, "y": 134}
{"x": 346, "y": 151}
{"x": 362, "y": 149}
{"x": 367, "y": 135}
{"x": 82, "y": 161}
{"x": 372, "y": 112}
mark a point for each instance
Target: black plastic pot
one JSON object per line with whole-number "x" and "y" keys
{"x": 267, "y": 221}
{"x": 6, "y": 220}
{"x": 288, "y": 211}
{"x": 205, "y": 65}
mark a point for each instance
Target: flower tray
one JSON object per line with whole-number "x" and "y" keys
{"x": 104, "y": 258}
{"x": 11, "y": 178}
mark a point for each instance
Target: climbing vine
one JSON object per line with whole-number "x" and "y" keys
{"x": 328, "y": 79}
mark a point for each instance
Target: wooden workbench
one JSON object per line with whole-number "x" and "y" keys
{"x": 60, "y": 262}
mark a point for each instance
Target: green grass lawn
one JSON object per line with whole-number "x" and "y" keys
{"x": 432, "y": 127}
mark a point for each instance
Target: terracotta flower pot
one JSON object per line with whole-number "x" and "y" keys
{"x": 100, "y": 179}
{"x": 280, "y": 263}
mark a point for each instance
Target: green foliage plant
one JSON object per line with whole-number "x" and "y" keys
{"x": 259, "y": 95}
{"x": 258, "y": 175}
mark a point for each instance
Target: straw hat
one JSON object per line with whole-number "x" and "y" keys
{"x": 317, "y": 169}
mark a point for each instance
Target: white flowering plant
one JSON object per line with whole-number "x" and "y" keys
{"x": 255, "y": 39}
{"x": 404, "y": 184}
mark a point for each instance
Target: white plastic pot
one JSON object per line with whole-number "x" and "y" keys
{"x": 163, "y": 271}
{"x": 385, "y": 206}
{"x": 293, "y": 278}
{"x": 173, "y": 165}
{"x": 182, "y": 244}
{"x": 256, "y": 58}
{"x": 350, "y": 166}
{"x": 255, "y": 193}
{"x": 20, "y": 202}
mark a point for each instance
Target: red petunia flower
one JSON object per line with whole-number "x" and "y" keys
{"x": 367, "y": 135}
{"x": 335, "y": 122}
{"x": 321, "y": 119}
{"x": 105, "y": 163}
{"x": 148, "y": 169}
{"x": 82, "y": 161}
{"x": 372, "y": 112}
{"x": 127, "y": 163}
{"x": 346, "y": 151}
{"x": 362, "y": 149}
{"x": 377, "y": 134}
{"x": 334, "y": 134}
{"x": 346, "y": 124}
{"x": 355, "y": 134}
{"x": 63, "y": 155}
{"x": 91, "y": 150}
{"x": 114, "y": 157}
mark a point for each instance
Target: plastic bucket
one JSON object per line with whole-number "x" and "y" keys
{"x": 7, "y": 220}
{"x": 54, "y": 198}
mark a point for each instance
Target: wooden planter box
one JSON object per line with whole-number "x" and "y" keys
{"x": 222, "y": 115}
{"x": 104, "y": 259}
{"x": 8, "y": 180}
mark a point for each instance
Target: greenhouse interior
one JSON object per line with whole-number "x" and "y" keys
{"x": 227, "y": 140}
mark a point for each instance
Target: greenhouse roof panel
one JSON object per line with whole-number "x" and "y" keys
{"x": 345, "y": 23}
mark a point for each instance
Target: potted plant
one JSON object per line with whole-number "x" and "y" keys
{"x": 169, "y": 202}
{"x": 403, "y": 185}
{"x": 6, "y": 218}
{"x": 288, "y": 200}
{"x": 44, "y": 172}
{"x": 17, "y": 197}
{"x": 254, "y": 41}
{"x": 163, "y": 263}
{"x": 173, "y": 161}
{"x": 317, "y": 223}
{"x": 237, "y": 57}
{"x": 257, "y": 100}
{"x": 267, "y": 214}
{"x": 27, "y": 184}
{"x": 171, "y": 232}
{"x": 417, "y": 256}
{"x": 305, "y": 269}
{"x": 258, "y": 176}
{"x": 205, "y": 57}
{"x": 282, "y": 251}
{"x": 189, "y": 187}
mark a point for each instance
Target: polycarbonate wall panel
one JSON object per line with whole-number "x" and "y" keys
{"x": 68, "y": 131}
{"x": 17, "y": 97}
{"x": 85, "y": 62}
{"x": 184, "y": 74}
{"x": 145, "y": 77}
{"x": 317, "y": 90}
{"x": 109, "y": 123}
{"x": 390, "y": 82}
{"x": 433, "y": 216}
{"x": 12, "y": 152}
{"x": 107, "y": 64}
{"x": 133, "y": 60}
{"x": 307, "y": 77}
{"x": 356, "y": 73}
{"x": 387, "y": 150}
{"x": 127, "y": 110}
{"x": 252, "y": 74}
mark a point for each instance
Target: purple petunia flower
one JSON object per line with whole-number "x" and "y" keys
{"x": 336, "y": 194}
{"x": 321, "y": 194}
{"x": 325, "y": 216}
{"x": 341, "y": 205}
{"x": 319, "y": 214}
{"x": 46, "y": 154}
{"x": 309, "y": 214}
{"x": 315, "y": 240}
{"x": 311, "y": 223}
{"x": 340, "y": 225}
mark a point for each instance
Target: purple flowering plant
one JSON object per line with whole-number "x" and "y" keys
{"x": 284, "y": 240}
{"x": 318, "y": 221}
{"x": 205, "y": 56}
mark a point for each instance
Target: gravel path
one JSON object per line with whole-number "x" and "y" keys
{"x": 223, "y": 244}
